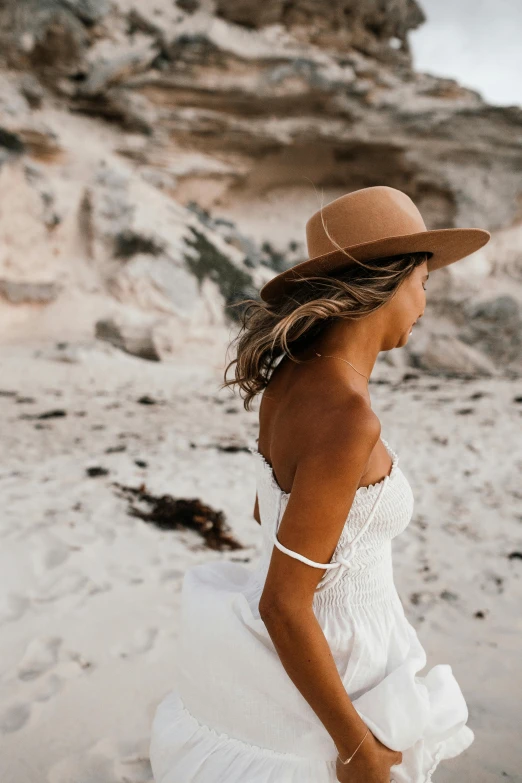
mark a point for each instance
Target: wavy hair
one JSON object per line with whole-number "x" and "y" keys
{"x": 271, "y": 329}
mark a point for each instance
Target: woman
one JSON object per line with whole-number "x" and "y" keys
{"x": 305, "y": 669}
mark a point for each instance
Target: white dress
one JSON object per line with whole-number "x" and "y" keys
{"x": 237, "y": 717}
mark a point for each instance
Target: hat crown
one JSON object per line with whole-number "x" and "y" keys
{"x": 363, "y": 216}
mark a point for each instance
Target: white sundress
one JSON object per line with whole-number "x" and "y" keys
{"x": 237, "y": 717}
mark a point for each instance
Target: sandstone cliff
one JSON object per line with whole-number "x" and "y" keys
{"x": 158, "y": 162}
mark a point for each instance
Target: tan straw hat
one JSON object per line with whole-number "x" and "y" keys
{"x": 368, "y": 224}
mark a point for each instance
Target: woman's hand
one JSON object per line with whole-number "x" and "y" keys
{"x": 371, "y": 763}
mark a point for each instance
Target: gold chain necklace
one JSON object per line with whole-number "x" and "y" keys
{"x": 343, "y": 360}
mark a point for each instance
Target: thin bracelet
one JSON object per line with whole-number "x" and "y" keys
{"x": 355, "y": 751}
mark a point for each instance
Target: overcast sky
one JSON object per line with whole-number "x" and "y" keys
{"x": 477, "y": 42}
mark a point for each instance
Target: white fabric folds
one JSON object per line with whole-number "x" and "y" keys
{"x": 236, "y": 717}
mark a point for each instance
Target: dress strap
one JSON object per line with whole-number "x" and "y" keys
{"x": 302, "y": 558}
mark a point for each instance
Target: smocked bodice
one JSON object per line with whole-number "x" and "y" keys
{"x": 378, "y": 514}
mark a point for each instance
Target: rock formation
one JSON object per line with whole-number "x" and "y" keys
{"x": 158, "y": 162}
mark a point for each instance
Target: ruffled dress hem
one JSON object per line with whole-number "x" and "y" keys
{"x": 181, "y": 746}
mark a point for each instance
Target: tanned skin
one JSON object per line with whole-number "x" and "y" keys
{"x": 320, "y": 435}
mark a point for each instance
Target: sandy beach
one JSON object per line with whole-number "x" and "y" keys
{"x": 90, "y": 593}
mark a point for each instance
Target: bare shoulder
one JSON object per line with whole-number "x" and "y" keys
{"x": 335, "y": 454}
{"x": 344, "y": 431}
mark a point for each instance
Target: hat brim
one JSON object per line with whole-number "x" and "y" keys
{"x": 446, "y": 246}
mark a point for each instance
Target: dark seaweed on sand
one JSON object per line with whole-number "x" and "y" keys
{"x": 169, "y": 513}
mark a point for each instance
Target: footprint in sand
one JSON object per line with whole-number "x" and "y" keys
{"x": 67, "y": 585}
{"x": 84, "y": 768}
{"x": 41, "y": 655}
{"x": 171, "y": 575}
{"x": 49, "y": 688}
{"x": 106, "y": 762}
{"x": 52, "y": 552}
{"x": 126, "y": 573}
{"x": 133, "y": 764}
{"x": 12, "y": 607}
{"x": 14, "y": 717}
{"x": 142, "y": 641}
{"x": 45, "y": 653}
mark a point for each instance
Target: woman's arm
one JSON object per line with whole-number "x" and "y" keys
{"x": 323, "y": 489}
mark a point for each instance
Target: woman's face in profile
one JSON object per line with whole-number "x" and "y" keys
{"x": 409, "y": 303}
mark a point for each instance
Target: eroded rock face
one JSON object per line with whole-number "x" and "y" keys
{"x": 137, "y": 338}
{"x": 166, "y": 157}
{"x": 448, "y": 356}
{"x": 46, "y": 35}
{"x": 18, "y": 293}
{"x": 494, "y": 326}
{"x": 366, "y": 26}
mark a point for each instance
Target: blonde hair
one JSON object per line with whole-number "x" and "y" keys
{"x": 271, "y": 329}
